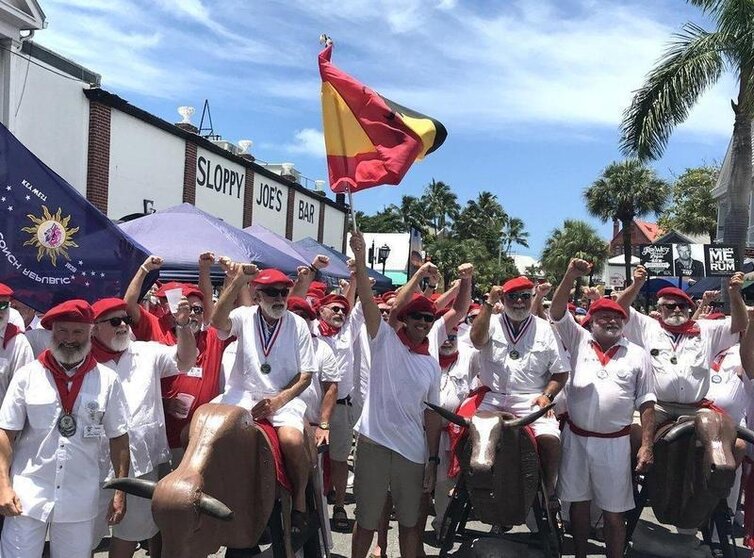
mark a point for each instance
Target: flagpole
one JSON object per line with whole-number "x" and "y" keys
{"x": 350, "y": 205}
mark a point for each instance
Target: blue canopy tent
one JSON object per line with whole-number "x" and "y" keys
{"x": 179, "y": 234}
{"x": 382, "y": 283}
{"x": 654, "y": 284}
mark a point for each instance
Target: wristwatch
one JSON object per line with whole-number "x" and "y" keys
{"x": 433, "y": 459}
{"x": 324, "y": 426}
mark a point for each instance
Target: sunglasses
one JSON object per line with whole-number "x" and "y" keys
{"x": 337, "y": 309}
{"x": 470, "y": 319}
{"x": 115, "y": 322}
{"x": 273, "y": 293}
{"x": 4, "y": 305}
{"x": 518, "y": 296}
{"x": 452, "y": 337}
{"x": 674, "y": 305}
{"x": 197, "y": 309}
{"x": 429, "y": 318}
{"x": 384, "y": 310}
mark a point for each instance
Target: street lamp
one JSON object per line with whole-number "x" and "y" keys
{"x": 382, "y": 254}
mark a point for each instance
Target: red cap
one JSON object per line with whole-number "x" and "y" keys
{"x": 329, "y": 299}
{"x": 571, "y": 308}
{"x": 314, "y": 293}
{"x": 675, "y": 292}
{"x": 474, "y": 306}
{"x": 418, "y": 303}
{"x": 106, "y": 305}
{"x": 5, "y": 290}
{"x": 75, "y": 310}
{"x": 387, "y": 295}
{"x": 715, "y": 316}
{"x": 521, "y": 283}
{"x": 192, "y": 290}
{"x": 318, "y": 286}
{"x": 608, "y": 305}
{"x": 270, "y": 276}
{"x": 296, "y": 303}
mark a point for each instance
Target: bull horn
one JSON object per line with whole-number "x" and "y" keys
{"x": 528, "y": 419}
{"x": 677, "y": 431}
{"x": 745, "y": 434}
{"x": 448, "y": 415}
{"x": 214, "y": 507}
{"x": 138, "y": 487}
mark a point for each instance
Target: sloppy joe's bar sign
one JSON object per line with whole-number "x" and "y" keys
{"x": 219, "y": 175}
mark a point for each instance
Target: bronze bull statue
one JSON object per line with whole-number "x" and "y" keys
{"x": 223, "y": 491}
{"x": 500, "y": 476}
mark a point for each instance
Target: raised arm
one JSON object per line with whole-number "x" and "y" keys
{"x": 186, "y": 341}
{"x": 448, "y": 296}
{"x": 480, "y": 329}
{"x": 627, "y": 297}
{"x": 463, "y": 300}
{"x": 704, "y": 307}
{"x": 428, "y": 269}
{"x": 537, "y": 304}
{"x": 306, "y": 275}
{"x": 738, "y": 316}
{"x": 576, "y": 268}
{"x": 372, "y": 317}
{"x": 206, "y": 259}
{"x": 238, "y": 278}
{"x": 134, "y": 287}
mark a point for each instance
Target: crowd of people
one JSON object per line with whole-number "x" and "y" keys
{"x": 106, "y": 390}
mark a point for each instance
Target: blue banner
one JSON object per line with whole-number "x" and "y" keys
{"x": 54, "y": 244}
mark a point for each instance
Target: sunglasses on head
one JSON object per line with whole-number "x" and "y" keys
{"x": 116, "y": 321}
{"x": 674, "y": 305}
{"x": 519, "y": 296}
{"x": 272, "y": 292}
{"x": 4, "y": 305}
{"x": 429, "y": 318}
{"x": 337, "y": 309}
{"x": 197, "y": 309}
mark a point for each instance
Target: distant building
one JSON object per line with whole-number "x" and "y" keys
{"x": 642, "y": 232}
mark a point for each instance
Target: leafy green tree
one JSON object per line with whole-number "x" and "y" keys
{"x": 693, "y": 209}
{"x": 624, "y": 191}
{"x": 483, "y": 219}
{"x": 694, "y": 61}
{"x": 387, "y": 220}
{"x": 514, "y": 233}
{"x": 413, "y": 215}
{"x": 440, "y": 204}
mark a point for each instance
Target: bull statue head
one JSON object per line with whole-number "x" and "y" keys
{"x": 485, "y": 429}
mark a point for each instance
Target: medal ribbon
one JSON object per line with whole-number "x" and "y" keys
{"x": 604, "y": 357}
{"x": 522, "y": 330}
{"x": 718, "y": 362}
{"x": 67, "y": 395}
{"x": 267, "y": 341}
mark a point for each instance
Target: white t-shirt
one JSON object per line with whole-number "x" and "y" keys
{"x": 228, "y": 362}
{"x": 362, "y": 357}
{"x": 688, "y": 379}
{"x": 399, "y": 383}
{"x": 140, "y": 368}
{"x": 15, "y": 354}
{"x": 437, "y": 335}
{"x": 50, "y": 472}
{"x": 730, "y": 388}
{"x": 291, "y": 353}
{"x": 603, "y": 398}
{"x": 342, "y": 345}
{"x": 328, "y": 370}
{"x": 523, "y": 366}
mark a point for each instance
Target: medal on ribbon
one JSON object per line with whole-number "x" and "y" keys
{"x": 514, "y": 354}
{"x": 66, "y": 425}
{"x": 514, "y": 338}
{"x": 267, "y": 340}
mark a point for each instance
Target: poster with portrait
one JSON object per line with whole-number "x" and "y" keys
{"x": 689, "y": 260}
{"x": 657, "y": 259}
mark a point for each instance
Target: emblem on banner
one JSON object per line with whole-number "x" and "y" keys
{"x": 51, "y": 235}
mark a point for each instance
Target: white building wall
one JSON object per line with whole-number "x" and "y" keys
{"x": 270, "y": 204}
{"x": 332, "y": 233}
{"x": 305, "y": 216}
{"x": 220, "y": 187}
{"x": 145, "y": 163}
{"x": 50, "y": 116}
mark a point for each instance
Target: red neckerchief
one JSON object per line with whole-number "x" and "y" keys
{"x": 327, "y": 330}
{"x": 420, "y": 348}
{"x": 103, "y": 353}
{"x": 11, "y": 330}
{"x": 446, "y": 361}
{"x": 604, "y": 357}
{"x": 689, "y": 328}
{"x": 67, "y": 396}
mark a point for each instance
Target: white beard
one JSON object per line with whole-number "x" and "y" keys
{"x": 676, "y": 320}
{"x": 71, "y": 356}
{"x": 120, "y": 343}
{"x": 517, "y": 315}
{"x": 270, "y": 310}
{"x": 605, "y": 332}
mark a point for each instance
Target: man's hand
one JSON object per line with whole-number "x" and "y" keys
{"x": 578, "y": 268}
{"x": 543, "y": 401}
{"x": 709, "y": 296}
{"x": 116, "y": 511}
{"x": 224, "y": 262}
{"x": 428, "y": 269}
{"x": 430, "y": 477}
{"x": 241, "y": 273}
{"x": 357, "y": 243}
{"x": 543, "y": 289}
{"x": 183, "y": 313}
{"x": 592, "y": 293}
{"x": 320, "y": 262}
{"x": 10, "y": 505}
{"x": 640, "y": 274}
{"x": 704, "y": 311}
{"x": 465, "y": 271}
{"x": 265, "y": 408}
{"x": 736, "y": 282}
{"x": 152, "y": 263}
{"x": 321, "y": 437}
{"x": 206, "y": 259}
{"x": 495, "y": 295}
{"x": 176, "y": 407}
{"x": 645, "y": 457}
{"x": 303, "y": 271}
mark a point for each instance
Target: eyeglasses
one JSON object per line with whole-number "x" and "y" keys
{"x": 452, "y": 338}
{"x": 197, "y": 309}
{"x": 674, "y": 305}
{"x": 116, "y": 321}
{"x": 4, "y": 305}
{"x": 337, "y": 309}
{"x": 273, "y": 293}
{"x": 518, "y": 296}
{"x": 429, "y": 318}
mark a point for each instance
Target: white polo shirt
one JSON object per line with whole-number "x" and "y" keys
{"x": 327, "y": 371}
{"x": 140, "y": 368}
{"x": 730, "y": 388}
{"x": 13, "y": 355}
{"x": 523, "y": 366}
{"x": 291, "y": 354}
{"x": 688, "y": 379}
{"x": 603, "y": 398}
{"x": 399, "y": 383}
{"x": 50, "y": 472}
{"x": 342, "y": 345}
{"x": 362, "y": 357}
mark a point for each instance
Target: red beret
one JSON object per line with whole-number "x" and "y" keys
{"x": 676, "y": 293}
{"x": 270, "y": 276}
{"x": 318, "y": 286}
{"x": 418, "y": 303}
{"x": 388, "y": 295}
{"x": 5, "y": 290}
{"x": 571, "y": 308}
{"x": 715, "y": 316}
{"x": 329, "y": 299}
{"x": 608, "y": 305}
{"x": 521, "y": 283}
{"x": 192, "y": 290}
{"x": 167, "y": 287}
{"x": 296, "y": 303}
{"x": 75, "y": 310}
{"x": 314, "y": 293}
{"x": 106, "y": 305}
{"x": 474, "y": 307}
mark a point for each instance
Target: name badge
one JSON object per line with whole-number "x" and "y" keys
{"x": 195, "y": 372}
{"x": 94, "y": 431}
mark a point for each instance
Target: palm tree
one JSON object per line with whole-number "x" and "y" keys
{"x": 483, "y": 219}
{"x": 413, "y": 214}
{"x": 624, "y": 191}
{"x": 441, "y": 204}
{"x": 514, "y": 233}
{"x": 694, "y": 61}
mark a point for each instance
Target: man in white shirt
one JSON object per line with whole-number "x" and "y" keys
{"x": 522, "y": 364}
{"x": 274, "y": 365}
{"x": 15, "y": 350}
{"x": 56, "y": 412}
{"x": 610, "y": 378}
{"x": 140, "y": 366}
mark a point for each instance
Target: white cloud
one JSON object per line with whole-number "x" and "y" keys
{"x": 308, "y": 141}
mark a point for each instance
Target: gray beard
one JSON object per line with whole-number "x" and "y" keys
{"x": 271, "y": 312}
{"x": 71, "y": 356}
{"x": 120, "y": 344}
{"x": 676, "y": 320}
{"x": 516, "y": 315}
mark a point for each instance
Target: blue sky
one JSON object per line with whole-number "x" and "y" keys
{"x": 531, "y": 91}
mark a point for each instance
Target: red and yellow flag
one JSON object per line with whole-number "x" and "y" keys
{"x": 369, "y": 139}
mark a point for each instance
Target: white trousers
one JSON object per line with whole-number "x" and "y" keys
{"x": 24, "y": 537}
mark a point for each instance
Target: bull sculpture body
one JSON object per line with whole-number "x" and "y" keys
{"x": 223, "y": 491}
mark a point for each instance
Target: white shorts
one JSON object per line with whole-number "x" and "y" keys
{"x": 520, "y": 405}
{"x": 596, "y": 469}
{"x": 24, "y": 537}
{"x": 138, "y": 523}
{"x": 342, "y": 421}
{"x": 291, "y": 414}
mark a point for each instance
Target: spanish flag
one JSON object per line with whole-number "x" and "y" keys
{"x": 369, "y": 139}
